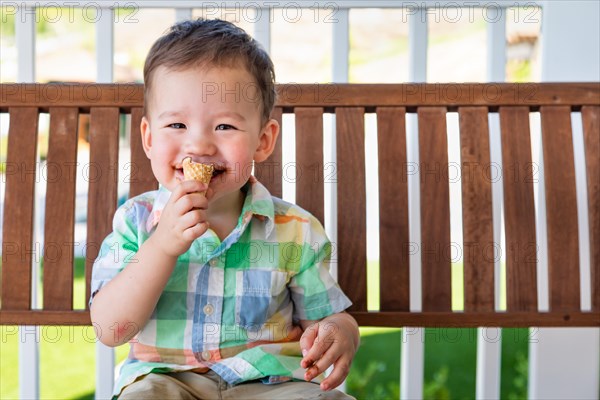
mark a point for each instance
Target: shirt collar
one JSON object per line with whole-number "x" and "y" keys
{"x": 258, "y": 203}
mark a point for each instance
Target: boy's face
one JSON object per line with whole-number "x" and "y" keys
{"x": 212, "y": 115}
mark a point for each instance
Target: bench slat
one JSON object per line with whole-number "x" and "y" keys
{"x": 478, "y": 226}
{"x": 321, "y": 95}
{"x": 269, "y": 172}
{"x": 561, "y": 208}
{"x": 309, "y": 160}
{"x": 435, "y": 209}
{"x": 591, "y": 132}
{"x": 352, "y": 220}
{"x": 48, "y": 317}
{"x": 102, "y": 194}
{"x": 17, "y": 232}
{"x": 394, "y": 287}
{"x": 141, "y": 178}
{"x": 519, "y": 210}
{"x": 477, "y": 319}
{"x": 60, "y": 209}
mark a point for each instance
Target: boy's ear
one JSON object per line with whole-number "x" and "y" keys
{"x": 267, "y": 140}
{"x": 146, "y": 136}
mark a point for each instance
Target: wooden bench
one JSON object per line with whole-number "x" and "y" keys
{"x": 105, "y": 103}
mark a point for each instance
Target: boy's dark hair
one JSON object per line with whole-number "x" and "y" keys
{"x": 213, "y": 42}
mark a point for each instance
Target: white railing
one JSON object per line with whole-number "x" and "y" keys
{"x": 411, "y": 371}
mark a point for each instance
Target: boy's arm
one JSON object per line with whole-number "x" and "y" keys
{"x": 332, "y": 340}
{"x": 124, "y": 305}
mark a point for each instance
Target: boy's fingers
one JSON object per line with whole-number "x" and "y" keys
{"x": 187, "y": 187}
{"x": 193, "y": 186}
{"x": 195, "y": 231}
{"x": 199, "y": 200}
{"x": 192, "y": 218}
{"x": 325, "y": 338}
{"x": 315, "y": 353}
{"x": 320, "y": 365}
{"x": 182, "y": 190}
{"x": 341, "y": 368}
{"x": 308, "y": 337}
{"x": 306, "y": 344}
{"x": 191, "y": 201}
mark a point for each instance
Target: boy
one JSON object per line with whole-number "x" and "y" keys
{"x": 219, "y": 288}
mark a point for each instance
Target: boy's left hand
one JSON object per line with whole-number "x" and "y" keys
{"x": 330, "y": 341}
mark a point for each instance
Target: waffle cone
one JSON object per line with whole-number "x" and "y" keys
{"x": 197, "y": 171}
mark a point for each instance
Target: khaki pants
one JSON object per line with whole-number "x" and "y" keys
{"x": 189, "y": 385}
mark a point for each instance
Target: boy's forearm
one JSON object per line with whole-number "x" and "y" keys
{"x": 125, "y": 304}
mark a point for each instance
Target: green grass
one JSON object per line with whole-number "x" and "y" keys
{"x": 67, "y": 354}
{"x": 450, "y": 357}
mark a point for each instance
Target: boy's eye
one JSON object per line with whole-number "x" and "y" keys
{"x": 176, "y": 125}
{"x": 223, "y": 127}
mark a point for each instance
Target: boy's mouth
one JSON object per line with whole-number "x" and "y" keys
{"x": 218, "y": 171}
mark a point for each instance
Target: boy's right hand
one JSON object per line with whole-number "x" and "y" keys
{"x": 183, "y": 219}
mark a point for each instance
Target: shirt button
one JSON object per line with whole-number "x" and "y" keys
{"x": 206, "y": 355}
{"x": 208, "y": 309}
{"x": 213, "y": 262}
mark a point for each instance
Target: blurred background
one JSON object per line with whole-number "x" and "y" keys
{"x": 301, "y": 44}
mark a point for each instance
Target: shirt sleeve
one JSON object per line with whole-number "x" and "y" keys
{"x": 314, "y": 292}
{"x": 117, "y": 250}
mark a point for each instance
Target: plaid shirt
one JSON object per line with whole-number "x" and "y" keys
{"x": 231, "y": 306}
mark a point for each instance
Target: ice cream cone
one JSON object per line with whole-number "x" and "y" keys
{"x": 197, "y": 171}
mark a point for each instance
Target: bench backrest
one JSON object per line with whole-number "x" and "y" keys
{"x": 67, "y": 103}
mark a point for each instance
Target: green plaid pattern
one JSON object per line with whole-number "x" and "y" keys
{"x": 231, "y": 306}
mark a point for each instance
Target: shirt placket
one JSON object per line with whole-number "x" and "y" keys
{"x": 209, "y": 304}
{"x": 209, "y": 310}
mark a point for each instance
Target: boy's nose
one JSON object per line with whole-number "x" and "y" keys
{"x": 199, "y": 143}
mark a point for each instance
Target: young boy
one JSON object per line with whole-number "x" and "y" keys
{"x": 219, "y": 288}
